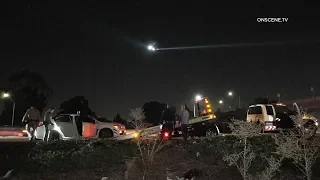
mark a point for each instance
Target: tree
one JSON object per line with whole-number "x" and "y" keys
{"x": 153, "y": 111}
{"x": 242, "y": 160}
{"x": 27, "y": 88}
{"x": 147, "y": 148}
{"x": 301, "y": 146}
{"x": 75, "y": 104}
{"x": 261, "y": 100}
{"x": 119, "y": 119}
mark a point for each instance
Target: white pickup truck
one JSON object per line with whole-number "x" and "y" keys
{"x": 72, "y": 126}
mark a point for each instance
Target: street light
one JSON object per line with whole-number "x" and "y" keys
{"x": 239, "y": 99}
{"x": 7, "y": 95}
{"x": 220, "y": 102}
{"x": 198, "y": 97}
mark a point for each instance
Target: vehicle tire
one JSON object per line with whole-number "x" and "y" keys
{"x": 54, "y": 136}
{"x": 105, "y": 133}
{"x": 212, "y": 131}
{"x": 311, "y": 125}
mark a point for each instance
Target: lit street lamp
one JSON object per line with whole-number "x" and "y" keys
{"x": 231, "y": 95}
{"x": 220, "y": 102}
{"x": 198, "y": 97}
{"x": 7, "y": 95}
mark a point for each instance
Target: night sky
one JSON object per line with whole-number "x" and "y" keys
{"x": 99, "y": 51}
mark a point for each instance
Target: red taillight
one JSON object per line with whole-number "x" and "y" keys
{"x": 20, "y": 135}
{"x": 39, "y": 125}
{"x": 166, "y": 134}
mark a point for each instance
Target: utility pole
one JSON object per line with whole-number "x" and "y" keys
{"x": 279, "y": 99}
{"x": 239, "y": 102}
{"x": 7, "y": 95}
{"x": 13, "y": 108}
{"x": 312, "y": 91}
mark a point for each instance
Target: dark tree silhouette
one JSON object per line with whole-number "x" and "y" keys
{"x": 153, "y": 111}
{"x": 75, "y": 104}
{"x": 261, "y": 100}
{"x": 119, "y": 119}
{"x": 27, "y": 88}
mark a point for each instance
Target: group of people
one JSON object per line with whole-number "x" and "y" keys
{"x": 169, "y": 119}
{"x": 32, "y": 118}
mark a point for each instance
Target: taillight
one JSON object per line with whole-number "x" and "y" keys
{"x": 20, "y": 135}
{"x": 40, "y": 124}
{"x": 166, "y": 134}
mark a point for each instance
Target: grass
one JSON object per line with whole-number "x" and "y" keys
{"x": 98, "y": 158}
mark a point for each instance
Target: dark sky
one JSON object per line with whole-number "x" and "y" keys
{"x": 98, "y": 50}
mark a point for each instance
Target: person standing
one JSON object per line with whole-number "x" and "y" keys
{"x": 48, "y": 121}
{"x": 168, "y": 118}
{"x": 32, "y": 118}
{"x": 184, "y": 116}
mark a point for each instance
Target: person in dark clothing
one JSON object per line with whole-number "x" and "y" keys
{"x": 32, "y": 118}
{"x": 168, "y": 119}
{"x": 48, "y": 121}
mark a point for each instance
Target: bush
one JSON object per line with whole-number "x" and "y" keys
{"x": 62, "y": 156}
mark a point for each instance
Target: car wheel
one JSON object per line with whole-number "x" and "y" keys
{"x": 105, "y": 133}
{"x": 54, "y": 136}
{"x": 212, "y": 131}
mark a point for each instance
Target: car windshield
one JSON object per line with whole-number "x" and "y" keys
{"x": 104, "y": 120}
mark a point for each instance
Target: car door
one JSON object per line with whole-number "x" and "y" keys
{"x": 66, "y": 126}
{"x": 89, "y": 127}
{"x": 255, "y": 114}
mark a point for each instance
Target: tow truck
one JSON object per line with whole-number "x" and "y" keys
{"x": 201, "y": 122}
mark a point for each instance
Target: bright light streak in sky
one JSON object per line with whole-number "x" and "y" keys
{"x": 237, "y": 45}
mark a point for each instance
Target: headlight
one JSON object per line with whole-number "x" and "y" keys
{"x": 117, "y": 127}
{"x": 316, "y": 123}
{"x": 136, "y": 135}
